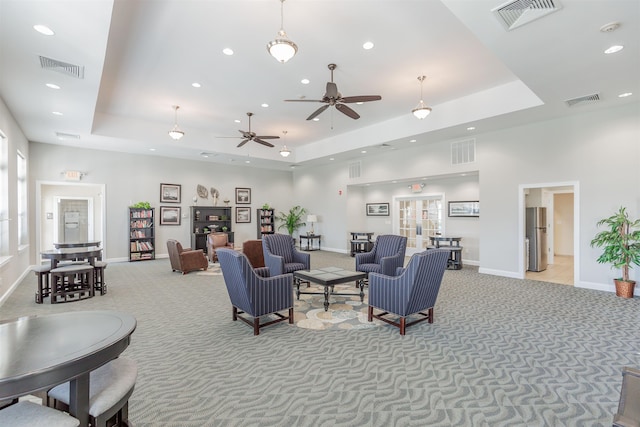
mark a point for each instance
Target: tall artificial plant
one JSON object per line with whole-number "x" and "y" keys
{"x": 292, "y": 220}
{"x": 621, "y": 242}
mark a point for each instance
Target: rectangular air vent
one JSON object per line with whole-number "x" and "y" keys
{"x": 62, "y": 135}
{"x": 354, "y": 170}
{"x": 463, "y": 152}
{"x": 62, "y": 67}
{"x": 581, "y": 100}
{"x": 517, "y": 13}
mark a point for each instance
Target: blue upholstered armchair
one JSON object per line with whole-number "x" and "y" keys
{"x": 281, "y": 255}
{"x": 385, "y": 257}
{"x": 411, "y": 292}
{"x": 254, "y": 295}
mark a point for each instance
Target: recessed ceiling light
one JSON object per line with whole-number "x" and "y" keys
{"x": 196, "y": 84}
{"x": 315, "y": 119}
{"x": 237, "y": 121}
{"x": 412, "y": 140}
{"x": 264, "y": 105}
{"x": 152, "y": 149}
{"x": 367, "y": 45}
{"x": 394, "y": 182}
{"x": 614, "y": 49}
{"x": 52, "y": 86}
{"x": 624, "y": 95}
{"x": 43, "y": 29}
{"x": 247, "y": 161}
{"x": 471, "y": 128}
{"x": 227, "y": 51}
{"x": 292, "y": 166}
{"x": 331, "y": 158}
{"x": 364, "y": 151}
{"x": 57, "y": 113}
{"x": 304, "y": 81}
{"x": 359, "y": 103}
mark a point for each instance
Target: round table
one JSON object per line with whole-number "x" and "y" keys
{"x": 39, "y": 352}
{"x": 90, "y": 253}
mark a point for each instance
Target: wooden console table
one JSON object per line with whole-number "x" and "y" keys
{"x": 455, "y": 250}
{"x": 360, "y": 242}
{"x": 310, "y": 238}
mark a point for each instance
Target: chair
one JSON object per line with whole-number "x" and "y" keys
{"x": 253, "y": 250}
{"x": 254, "y": 295}
{"x": 215, "y": 241}
{"x": 415, "y": 289}
{"x": 29, "y": 414}
{"x": 628, "y": 414}
{"x": 281, "y": 256}
{"x": 185, "y": 260}
{"x": 385, "y": 257}
{"x": 110, "y": 387}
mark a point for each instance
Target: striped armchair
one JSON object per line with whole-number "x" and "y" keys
{"x": 385, "y": 257}
{"x": 414, "y": 290}
{"x": 254, "y": 295}
{"x": 281, "y": 255}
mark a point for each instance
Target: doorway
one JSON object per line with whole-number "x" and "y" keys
{"x": 73, "y": 217}
{"x": 418, "y": 217}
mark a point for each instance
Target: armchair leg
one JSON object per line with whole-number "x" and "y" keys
{"x": 234, "y": 313}
{"x": 370, "y": 318}
{"x": 430, "y": 314}
{"x": 256, "y": 326}
{"x": 403, "y": 325}
{"x": 291, "y": 316}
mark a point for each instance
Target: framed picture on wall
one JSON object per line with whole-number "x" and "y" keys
{"x": 377, "y": 209}
{"x": 169, "y": 193}
{"x": 464, "y": 208}
{"x": 243, "y": 196}
{"x": 243, "y": 215}
{"x": 170, "y": 215}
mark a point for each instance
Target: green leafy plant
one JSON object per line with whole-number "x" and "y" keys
{"x": 621, "y": 242}
{"x": 266, "y": 206}
{"x": 292, "y": 220}
{"x": 142, "y": 205}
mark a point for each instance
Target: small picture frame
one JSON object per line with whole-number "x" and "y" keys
{"x": 466, "y": 208}
{"x": 243, "y": 215}
{"x": 170, "y": 215}
{"x": 170, "y": 193}
{"x": 243, "y": 196}
{"x": 377, "y": 209}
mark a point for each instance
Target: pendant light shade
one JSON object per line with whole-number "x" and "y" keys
{"x": 421, "y": 111}
{"x": 176, "y": 133}
{"x": 282, "y": 49}
{"x": 285, "y": 151}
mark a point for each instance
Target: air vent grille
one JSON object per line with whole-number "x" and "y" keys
{"x": 72, "y": 70}
{"x": 463, "y": 152}
{"x": 354, "y": 170}
{"x": 517, "y": 13}
{"x": 581, "y": 100}
{"x": 62, "y": 135}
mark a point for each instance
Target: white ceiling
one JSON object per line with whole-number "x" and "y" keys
{"x": 140, "y": 58}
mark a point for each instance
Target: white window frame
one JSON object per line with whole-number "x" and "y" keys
{"x": 22, "y": 198}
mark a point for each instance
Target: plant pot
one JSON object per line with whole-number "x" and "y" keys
{"x": 624, "y": 289}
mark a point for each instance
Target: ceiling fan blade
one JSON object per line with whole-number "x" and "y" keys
{"x": 267, "y": 137}
{"x": 317, "y": 112}
{"x": 363, "y": 98}
{"x": 347, "y": 111}
{"x": 243, "y": 142}
{"x": 303, "y": 100}
{"x": 332, "y": 90}
{"x": 259, "y": 141}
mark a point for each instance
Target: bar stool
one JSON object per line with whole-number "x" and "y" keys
{"x": 44, "y": 287}
{"x": 71, "y": 283}
{"x": 98, "y": 277}
{"x": 29, "y": 414}
{"x": 455, "y": 258}
{"x": 110, "y": 387}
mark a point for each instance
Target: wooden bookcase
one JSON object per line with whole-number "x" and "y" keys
{"x": 206, "y": 219}
{"x": 141, "y": 234}
{"x": 266, "y": 222}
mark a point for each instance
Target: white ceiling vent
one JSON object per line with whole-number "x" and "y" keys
{"x": 354, "y": 170}
{"x": 517, "y": 13}
{"x": 463, "y": 152}
{"x": 62, "y": 135}
{"x": 62, "y": 67}
{"x": 587, "y": 99}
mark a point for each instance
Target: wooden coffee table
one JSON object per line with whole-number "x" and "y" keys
{"x": 329, "y": 277}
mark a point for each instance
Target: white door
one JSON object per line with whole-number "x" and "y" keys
{"x": 418, "y": 218}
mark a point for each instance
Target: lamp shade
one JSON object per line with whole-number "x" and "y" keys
{"x": 282, "y": 49}
{"x": 285, "y": 151}
{"x": 312, "y": 218}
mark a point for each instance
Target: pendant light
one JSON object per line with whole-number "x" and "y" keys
{"x": 176, "y": 133}
{"x": 282, "y": 49}
{"x": 421, "y": 111}
{"x": 285, "y": 151}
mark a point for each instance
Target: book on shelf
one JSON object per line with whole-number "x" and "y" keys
{"x": 141, "y": 224}
{"x": 142, "y": 214}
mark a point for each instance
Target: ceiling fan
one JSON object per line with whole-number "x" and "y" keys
{"x": 333, "y": 97}
{"x": 251, "y": 136}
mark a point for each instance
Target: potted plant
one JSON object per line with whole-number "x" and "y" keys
{"x": 621, "y": 244}
{"x": 292, "y": 220}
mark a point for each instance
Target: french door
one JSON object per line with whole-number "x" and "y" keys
{"x": 418, "y": 218}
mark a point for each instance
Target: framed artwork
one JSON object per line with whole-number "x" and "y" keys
{"x": 464, "y": 208}
{"x": 243, "y": 196}
{"x": 170, "y": 215}
{"x": 170, "y": 193}
{"x": 243, "y": 215}
{"x": 377, "y": 209}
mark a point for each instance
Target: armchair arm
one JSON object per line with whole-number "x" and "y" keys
{"x": 303, "y": 258}
{"x": 365, "y": 258}
{"x": 390, "y": 264}
{"x": 389, "y": 293}
{"x": 275, "y": 263}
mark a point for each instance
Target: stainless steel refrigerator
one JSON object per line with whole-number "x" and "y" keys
{"x": 536, "y": 229}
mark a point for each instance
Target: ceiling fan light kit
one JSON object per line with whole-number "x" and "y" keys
{"x": 176, "y": 133}
{"x": 421, "y": 111}
{"x": 285, "y": 151}
{"x": 282, "y": 49}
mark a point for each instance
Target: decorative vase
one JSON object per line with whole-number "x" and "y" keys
{"x": 625, "y": 289}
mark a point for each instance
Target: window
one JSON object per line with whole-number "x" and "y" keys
{"x": 23, "y": 230}
{"x": 4, "y": 197}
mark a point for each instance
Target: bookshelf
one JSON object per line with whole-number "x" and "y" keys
{"x": 266, "y": 222}
{"x": 206, "y": 219}
{"x": 141, "y": 234}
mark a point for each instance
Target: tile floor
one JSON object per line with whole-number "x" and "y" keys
{"x": 561, "y": 271}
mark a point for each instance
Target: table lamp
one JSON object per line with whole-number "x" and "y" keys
{"x": 312, "y": 219}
